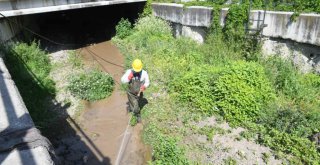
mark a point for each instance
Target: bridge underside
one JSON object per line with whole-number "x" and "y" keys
{"x": 11, "y": 8}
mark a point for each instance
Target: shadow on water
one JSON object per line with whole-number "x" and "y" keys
{"x": 79, "y": 27}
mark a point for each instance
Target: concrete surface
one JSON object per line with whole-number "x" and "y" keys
{"x": 196, "y": 33}
{"x": 7, "y": 29}
{"x": 11, "y": 8}
{"x": 305, "y": 56}
{"x": 14, "y": 116}
{"x": 186, "y": 21}
{"x": 189, "y": 16}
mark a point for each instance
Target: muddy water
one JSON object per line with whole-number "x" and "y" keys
{"x": 106, "y": 121}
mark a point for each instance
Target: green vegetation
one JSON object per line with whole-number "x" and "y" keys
{"x": 75, "y": 59}
{"x": 227, "y": 77}
{"x": 30, "y": 67}
{"x": 92, "y": 85}
{"x": 123, "y": 28}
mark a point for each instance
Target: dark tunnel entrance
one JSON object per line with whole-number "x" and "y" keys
{"x": 76, "y": 28}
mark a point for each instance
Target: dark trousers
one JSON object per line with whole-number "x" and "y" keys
{"x": 134, "y": 102}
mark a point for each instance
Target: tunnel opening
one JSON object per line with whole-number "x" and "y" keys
{"x": 72, "y": 29}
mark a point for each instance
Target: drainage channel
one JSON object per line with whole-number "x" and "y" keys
{"x": 102, "y": 133}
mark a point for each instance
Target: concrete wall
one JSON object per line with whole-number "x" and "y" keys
{"x": 15, "y": 117}
{"x": 305, "y": 56}
{"x": 298, "y": 40}
{"x": 190, "y": 21}
{"x": 8, "y": 30}
{"x": 306, "y": 29}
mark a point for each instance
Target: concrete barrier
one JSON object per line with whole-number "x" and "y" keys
{"x": 305, "y": 31}
{"x": 306, "y": 28}
{"x": 14, "y": 117}
{"x": 11, "y": 8}
{"x": 8, "y": 30}
{"x": 186, "y": 21}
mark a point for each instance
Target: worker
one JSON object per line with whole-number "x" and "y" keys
{"x": 138, "y": 80}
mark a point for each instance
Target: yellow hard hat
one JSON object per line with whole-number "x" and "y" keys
{"x": 137, "y": 65}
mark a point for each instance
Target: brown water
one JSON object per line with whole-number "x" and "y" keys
{"x": 106, "y": 120}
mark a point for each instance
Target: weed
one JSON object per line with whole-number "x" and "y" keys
{"x": 266, "y": 157}
{"x": 91, "y": 86}
{"x": 123, "y": 28}
{"x": 230, "y": 161}
{"x": 74, "y": 58}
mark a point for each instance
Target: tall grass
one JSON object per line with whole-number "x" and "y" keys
{"x": 29, "y": 67}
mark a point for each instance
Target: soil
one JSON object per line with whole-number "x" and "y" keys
{"x": 97, "y": 134}
{"x": 227, "y": 146}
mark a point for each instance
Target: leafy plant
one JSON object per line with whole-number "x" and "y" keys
{"x": 91, "y": 86}
{"x": 300, "y": 147}
{"x": 165, "y": 148}
{"x": 196, "y": 87}
{"x": 75, "y": 59}
{"x": 123, "y": 28}
{"x": 241, "y": 92}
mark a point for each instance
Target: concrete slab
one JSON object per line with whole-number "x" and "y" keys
{"x": 14, "y": 116}
{"x": 44, "y": 8}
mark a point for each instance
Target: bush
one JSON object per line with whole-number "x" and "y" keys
{"x": 241, "y": 91}
{"x": 292, "y": 121}
{"x": 165, "y": 148}
{"x": 302, "y": 90}
{"x": 196, "y": 87}
{"x": 123, "y": 28}
{"x": 303, "y": 148}
{"x": 150, "y": 30}
{"x": 91, "y": 86}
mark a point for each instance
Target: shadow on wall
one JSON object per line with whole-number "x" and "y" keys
{"x": 305, "y": 56}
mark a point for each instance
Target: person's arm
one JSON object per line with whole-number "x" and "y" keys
{"x": 127, "y": 76}
{"x": 146, "y": 81}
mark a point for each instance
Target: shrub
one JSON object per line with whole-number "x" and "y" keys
{"x": 292, "y": 121}
{"x": 91, "y": 86}
{"x": 123, "y": 28}
{"x": 304, "y": 149}
{"x": 196, "y": 87}
{"x": 150, "y": 30}
{"x": 301, "y": 90}
{"x": 165, "y": 148}
{"x": 241, "y": 91}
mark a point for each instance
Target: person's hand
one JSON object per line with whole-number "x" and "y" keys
{"x": 142, "y": 88}
{"x": 130, "y": 76}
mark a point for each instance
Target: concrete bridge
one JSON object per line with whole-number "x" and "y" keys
{"x": 16, "y": 8}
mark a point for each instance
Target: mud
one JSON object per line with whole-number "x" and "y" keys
{"x": 100, "y": 129}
